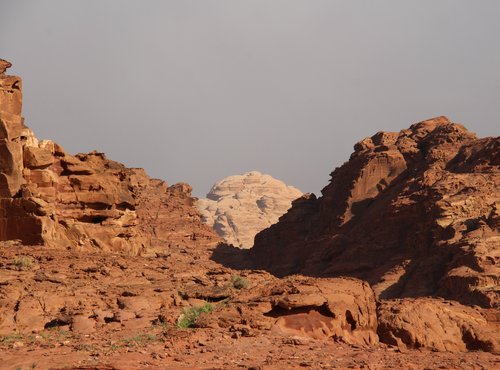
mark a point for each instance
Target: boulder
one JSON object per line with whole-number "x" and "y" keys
{"x": 35, "y": 157}
{"x": 438, "y": 325}
{"x": 342, "y": 309}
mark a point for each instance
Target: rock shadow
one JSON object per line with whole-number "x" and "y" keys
{"x": 232, "y": 257}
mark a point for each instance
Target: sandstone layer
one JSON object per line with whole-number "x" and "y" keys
{"x": 414, "y": 213}
{"x": 83, "y": 201}
{"x": 240, "y": 206}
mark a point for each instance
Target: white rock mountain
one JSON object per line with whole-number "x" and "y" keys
{"x": 240, "y": 206}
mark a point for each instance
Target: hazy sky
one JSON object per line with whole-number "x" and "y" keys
{"x": 198, "y": 90}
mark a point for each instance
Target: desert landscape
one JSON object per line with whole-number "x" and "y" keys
{"x": 395, "y": 265}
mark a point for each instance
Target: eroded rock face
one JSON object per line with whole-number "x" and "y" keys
{"x": 85, "y": 201}
{"x": 438, "y": 325}
{"x": 240, "y": 206}
{"x": 414, "y": 213}
{"x": 342, "y": 309}
{"x": 11, "y": 95}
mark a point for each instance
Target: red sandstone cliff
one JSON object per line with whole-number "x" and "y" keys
{"x": 85, "y": 201}
{"x": 414, "y": 213}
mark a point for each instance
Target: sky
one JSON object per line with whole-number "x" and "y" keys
{"x": 195, "y": 91}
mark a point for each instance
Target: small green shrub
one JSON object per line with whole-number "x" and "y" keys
{"x": 23, "y": 263}
{"x": 188, "y": 317}
{"x": 14, "y": 337}
{"x": 239, "y": 282}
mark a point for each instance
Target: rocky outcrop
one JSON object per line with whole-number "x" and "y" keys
{"x": 438, "y": 325}
{"x": 168, "y": 215}
{"x": 343, "y": 309}
{"x": 12, "y": 132}
{"x": 85, "y": 201}
{"x": 414, "y": 213}
{"x": 240, "y": 206}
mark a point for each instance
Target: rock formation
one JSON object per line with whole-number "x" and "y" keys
{"x": 437, "y": 324}
{"x": 414, "y": 213}
{"x": 240, "y": 206}
{"x": 86, "y": 201}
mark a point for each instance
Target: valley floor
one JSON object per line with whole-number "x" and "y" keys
{"x": 66, "y": 309}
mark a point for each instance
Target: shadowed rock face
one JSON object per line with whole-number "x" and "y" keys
{"x": 240, "y": 206}
{"x": 414, "y": 213}
{"x": 86, "y": 201}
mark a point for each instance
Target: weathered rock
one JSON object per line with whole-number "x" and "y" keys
{"x": 240, "y": 206}
{"x": 84, "y": 201}
{"x": 438, "y": 325}
{"x": 11, "y": 158}
{"x": 83, "y": 324}
{"x": 11, "y": 96}
{"x": 341, "y": 308}
{"x": 413, "y": 213}
{"x": 37, "y": 157}
{"x": 167, "y": 215}
{"x": 29, "y": 315}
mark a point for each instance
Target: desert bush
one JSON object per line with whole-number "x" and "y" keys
{"x": 14, "y": 337}
{"x": 239, "y": 282}
{"x": 189, "y": 315}
{"x": 23, "y": 263}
